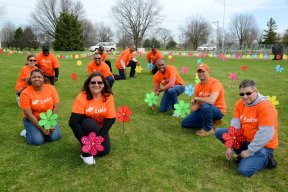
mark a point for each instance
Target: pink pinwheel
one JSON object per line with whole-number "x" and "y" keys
{"x": 233, "y": 76}
{"x": 244, "y": 67}
{"x": 123, "y": 114}
{"x": 92, "y": 144}
{"x": 234, "y": 138}
{"x": 184, "y": 70}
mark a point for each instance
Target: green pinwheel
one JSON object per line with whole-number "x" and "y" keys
{"x": 48, "y": 119}
{"x": 151, "y": 99}
{"x": 182, "y": 109}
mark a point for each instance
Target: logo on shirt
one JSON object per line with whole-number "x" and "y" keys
{"x": 41, "y": 101}
{"x": 204, "y": 94}
{"x": 95, "y": 110}
{"x": 248, "y": 120}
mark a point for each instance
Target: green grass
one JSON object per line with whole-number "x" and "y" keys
{"x": 153, "y": 154}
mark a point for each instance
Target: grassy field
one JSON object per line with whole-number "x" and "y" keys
{"x": 153, "y": 154}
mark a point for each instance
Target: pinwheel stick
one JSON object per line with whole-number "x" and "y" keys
{"x": 123, "y": 126}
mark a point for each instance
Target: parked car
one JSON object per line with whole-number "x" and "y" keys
{"x": 207, "y": 47}
{"x": 108, "y": 46}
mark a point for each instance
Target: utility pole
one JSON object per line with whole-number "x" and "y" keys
{"x": 223, "y": 29}
{"x": 217, "y": 32}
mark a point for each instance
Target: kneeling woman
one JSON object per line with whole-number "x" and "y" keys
{"x": 35, "y": 99}
{"x": 93, "y": 111}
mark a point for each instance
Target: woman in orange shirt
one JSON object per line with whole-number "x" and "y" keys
{"x": 93, "y": 111}
{"x": 23, "y": 80}
{"x": 35, "y": 99}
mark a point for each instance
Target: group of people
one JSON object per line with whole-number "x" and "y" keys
{"x": 94, "y": 111}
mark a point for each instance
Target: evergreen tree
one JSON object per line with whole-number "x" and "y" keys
{"x": 270, "y": 36}
{"x": 147, "y": 44}
{"x": 171, "y": 44}
{"x": 18, "y": 38}
{"x": 155, "y": 42}
{"x": 68, "y": 33}
{"x": 285, "y": 37}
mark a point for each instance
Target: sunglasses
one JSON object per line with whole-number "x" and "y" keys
{"x": 32, "y": 60}
{"x": 248, "y": 93}
{"x": 98, "y": 82}
{"x": 98, "y": 58}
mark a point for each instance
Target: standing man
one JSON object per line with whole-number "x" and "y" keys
{"x": 99, "y": 65}
{"x": 257, "y": 116}
{"x": 104, "y": 57}
{"x": 152, "y": 56}
{"x": 126, "y": 59}
{"x": 173, "y": 85}
{"x": 49, "y": 64}
{"x": 208, "y": 106}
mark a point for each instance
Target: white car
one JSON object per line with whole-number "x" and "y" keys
{"x": 207, "y": 47}
{"x": 108, "y": 46}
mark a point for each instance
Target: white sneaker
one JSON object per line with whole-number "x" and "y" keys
{"x": 23, "y": 133}
{"x": 88, "y": 160}
{"x": 175, "y": 115}
{"x": 18, "y": 100}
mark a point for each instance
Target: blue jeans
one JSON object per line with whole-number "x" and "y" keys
{"x": 110, "y": 81}
{"x": 203, "y": 118}
{"x": 35, "y": 137}
{"x": 250, "y": 165}
{"x": 170, "y": 97}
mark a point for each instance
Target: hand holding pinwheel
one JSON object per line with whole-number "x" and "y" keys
{"x": 48, "y": 120}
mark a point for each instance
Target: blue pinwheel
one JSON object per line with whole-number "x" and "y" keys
{"x": 189, "y": 90}
{"x": 279, "y": 69}
{"x": 199, "y": 61}
{"x": 150, "y": 66}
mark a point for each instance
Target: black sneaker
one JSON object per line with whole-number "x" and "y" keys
{"x": 271, "y": 163}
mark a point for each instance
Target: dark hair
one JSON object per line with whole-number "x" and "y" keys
{"x": 46, "y": 80}
{"x": 97, "y": 53}
{"x": 247, "y": 83}
{"x": 29, "y": 56}
{"x": 106, "y": 91}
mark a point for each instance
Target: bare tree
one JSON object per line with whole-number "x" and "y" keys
{"x": 135, "y": 17}
{"x": 164, "y": 34}
{"x": 89, "y": 33}
{"x": 7, "y": 34}
{"x": 242, "y": 26}
{"x": 47, "y": 11}
{"x": 124, "y": 39}
{"x": 2, "y": 10}
{"x": 104, "y": 33}
{"x": 196, "y": 30}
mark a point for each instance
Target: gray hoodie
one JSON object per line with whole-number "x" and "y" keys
{"x": 262, "y": 136}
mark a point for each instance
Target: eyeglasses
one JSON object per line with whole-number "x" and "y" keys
{"x": 94, "y": 82}
{"x": 32, "y": 60}
{"x": 98, "y": 58}
{"x": 248, "y": 93}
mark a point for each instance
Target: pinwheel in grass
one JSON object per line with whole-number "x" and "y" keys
{"x": 48, "y": 119}
{"x": 199, "y": 61}
{"x": 279, "y": 69}
{"x": 79, "y": 62}
{"x": 151, "y": 99}
{"x": 123, "y": 115}
{"x": 189, "y": 90}
{"x": 233, "y": 77}
{"x": 182, "y": 109}
{"x": 138, "y": 69}
{"x": 244, "y": 67}
{"x": 74, "y": 76}
{"x": 150, "y": 66}
{"x": 273, "y": 100}
{"x": 184, "y": 70}
{"x": 197, "y": 80}
{"x": 92, "y": 144}
{"x": 234, "y": 138}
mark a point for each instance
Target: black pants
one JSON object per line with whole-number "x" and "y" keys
{"x": 89, "y": 125}
{"x": 154, "y": 69}
{"x": 109, "y": 64}
{"x": 122, "y": 75}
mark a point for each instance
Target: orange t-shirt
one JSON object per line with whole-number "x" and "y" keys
{"x": 126, "y": 56}
{"x": 165, "y": 79}
{"x": 96, "y": 109}
{"x": 24, "y": 74}
{"x": 104, "y": 56}
{"x": 103, "y": 68}
{"x": 213, "y": 85}
{"x": 47, "y": 63}
{"x": 154, "y": 57}
{"x": 40, "y": 101}
{"x": 262, "y": 114}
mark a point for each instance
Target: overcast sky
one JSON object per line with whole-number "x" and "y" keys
{"x": 174, "y": 12}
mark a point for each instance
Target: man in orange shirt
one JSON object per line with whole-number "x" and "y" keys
{"x": 152, "y": 57}
{"x": 257, "y": 116}
{"x": 99, "y": 65}
{"x": 49, "y": 64}
{"x": 126, "y": 59}
{"x": 104, "y": 57}
{"x": 173, "y": 85}
{"x": 208, "y": 105}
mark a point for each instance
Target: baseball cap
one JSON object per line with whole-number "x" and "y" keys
{"x": 153, "y": 46}
{"x": 203, "y": 67}
{"x": 45, "y": 48}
